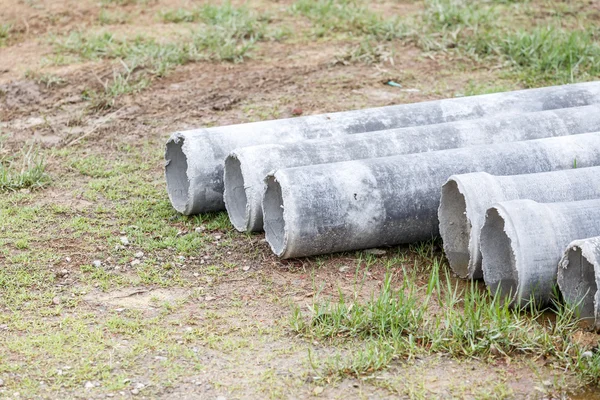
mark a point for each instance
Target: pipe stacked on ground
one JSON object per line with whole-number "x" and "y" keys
{"x": 466, "y": 198}
{"x": 246, "y": 168}
{"x": 352, "y": 205}
{"x": 579, "y": 278}
{"x": 522, "y": 242}
{"x": 194, "y": 159}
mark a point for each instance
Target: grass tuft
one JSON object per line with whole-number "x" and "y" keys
{"x": 440, "y": 318}
{"x": 25, "y": 170}
{"x": 4, "y": 33}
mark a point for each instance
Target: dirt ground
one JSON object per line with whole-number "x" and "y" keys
{"x": 177, "y": 312}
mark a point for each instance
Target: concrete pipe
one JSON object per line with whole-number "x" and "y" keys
{"x": 351, "y": 205}
{"x": 522, "y": 242}
{"x": 579, "y": 278}
{"x": 466, "y": 198}
{"x": 246, "y": 168}
{"x": 194, "y": 159}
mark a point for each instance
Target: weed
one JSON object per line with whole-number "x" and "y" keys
{"x": 25, "y": 170}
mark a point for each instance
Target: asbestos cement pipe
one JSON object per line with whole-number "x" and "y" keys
{"x": 522, "y": 242}
{"x": 579, "y": 278}
{"x": 466, "y": 198}
{"x": 246, "y": 168}
{"x": 194, "y": 159}
{"x": 353, "y": 205}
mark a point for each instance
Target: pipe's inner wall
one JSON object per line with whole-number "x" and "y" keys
{"x": 578, "y": 283}
{"x": 176, "y": 173}
{"x": 455, "y": 228}
{"x": 235, "y": 194}
{"x": 498, "y": 257}
{"x": 274, "y": 223}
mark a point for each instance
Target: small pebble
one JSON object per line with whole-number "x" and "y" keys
{"x": 135, "y": 391}
{"x": 246, "y": 268}
{"x": 56, "y": 300}
{"x": 139, "y": 254}
{"x": 200, "y": 229}
{"x": 124, "y": 241}
{"x": 135, "y": 262}
{"x": 68, "y": 259}
{"x": 181, "y": 258}
{"x": 587, "y": 354}
{"x": 344, "y": 268}
{"x": 89, "y": 385}
{"x": 1, "y": 382}
{"x": 97, "y": 263}
{"x": 119, "y": 247}
{"x": 218, "y": 237}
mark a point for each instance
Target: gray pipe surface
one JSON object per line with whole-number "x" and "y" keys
{"x": 466, "y": 198}
{"x": 194, "y": 159}
{"x": 351, "y": 205}
{"x": 522, "y": 242}
{"x": 246, "y": 168}
{"x": 579, "y": 278}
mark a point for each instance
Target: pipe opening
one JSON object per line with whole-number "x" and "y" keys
{"x": 235, "y": 198}
{"x": 455, "y": 228}
{"x": 274, "y": 224}
{"x": 499, "y": 263}
{"x": 578, "y": 283}
{"x": 176, "y": 174}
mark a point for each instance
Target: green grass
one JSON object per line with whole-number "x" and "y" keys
{"x": 228, "y": 33}
{"x": 544, "y": 54}
{"x": 553, "y": 55}
{"x": 470, "y": 323}
{"x": 24, "y": 170}
{"x": 347, "y": 16}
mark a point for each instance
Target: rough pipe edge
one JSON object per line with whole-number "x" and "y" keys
{"x": 579, "y": 278}
{"x": 234, "y": 195}
{"x": 177, "y": 173}
{"x": 275, "y": 213}
{"x": 499, "y": 244}
{"x": 455, "y": 228}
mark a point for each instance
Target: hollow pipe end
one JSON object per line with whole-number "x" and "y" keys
{"x": 577, "y": 279}
{"x": 499, "y": 244}
{"x": 274, "y": 216}
{"x": 177, "y": 175}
